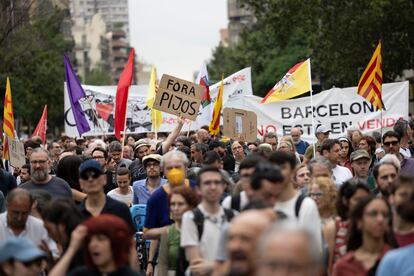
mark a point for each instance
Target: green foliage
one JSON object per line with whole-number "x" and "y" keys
{"x": 339, "y": 36}
{"x": 32, "y": 57}
{"x": 98, "y": 76}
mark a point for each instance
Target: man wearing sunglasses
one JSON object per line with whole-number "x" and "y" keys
{"x": 92, "y": 181}
{"x": 20, "y": 256}
{"x": 391, "y": 142}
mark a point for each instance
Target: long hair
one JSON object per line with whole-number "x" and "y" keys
{"x": 68, "y": 170}
{"x": 118, "y": 232}
{"x": 328, "y": 188}
{"x": 347, "y": 190}
{"x": 355, "y": 238}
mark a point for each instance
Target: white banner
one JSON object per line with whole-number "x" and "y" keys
{"x": 338, "y": 109}
{"x": 101, "y": 99}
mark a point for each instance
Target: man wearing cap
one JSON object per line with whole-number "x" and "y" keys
{"x": 322, "y": 133}
{"x": 40, "y": 164}
{"x": 92, "y": 181}
{"x": 17, "y": 221}
{"x": 145, "y": 187}
{"x": 20, "y": 256}
{"x": 137, "y": 170}
{"x": 360, "y": 162}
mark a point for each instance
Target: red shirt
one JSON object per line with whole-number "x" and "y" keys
{"x": 404, "y": 239}
{"x": 349, "y": 265}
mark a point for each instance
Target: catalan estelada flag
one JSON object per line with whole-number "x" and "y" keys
{"x": 8, "y": 122}
{"x": 214, "y": 127}
{"x": 297, "y": 81}
{"x": 370, "y": 84}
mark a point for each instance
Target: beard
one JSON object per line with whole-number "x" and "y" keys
{"x": 40, "y": 175}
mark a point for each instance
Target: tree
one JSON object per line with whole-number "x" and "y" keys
{"x": 339, "y": 40}
{"x": 32, "y": 56}
{"x": 98, "y": 76}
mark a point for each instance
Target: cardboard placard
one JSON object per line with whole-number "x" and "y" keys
{"x": 179, "y": 97}
{"x": 240, "y": 124}
{"x": 16, "y": 153}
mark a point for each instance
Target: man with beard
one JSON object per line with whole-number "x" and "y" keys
{"x": 136, "y": 168}
{"x": 385, "y": 174}
{"x": 41, "y": 180}
{"x": 243, "y": 236}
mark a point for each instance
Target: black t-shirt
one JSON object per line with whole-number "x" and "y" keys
{"x": 110, "y": 182}
{"x": 123, "y": 271}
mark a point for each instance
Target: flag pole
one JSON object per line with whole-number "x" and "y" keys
{"x": 311, "y": 100}
{"x": 124, "y": 134}
{"x": 189, "y": 127}
{"x": 96, "y": 117}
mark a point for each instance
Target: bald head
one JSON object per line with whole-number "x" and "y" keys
{"x": 18, "y": 194}
{"x": 243, "y": 236}
{"x": 202, "y": 136}
{"x": 295, "y": 133}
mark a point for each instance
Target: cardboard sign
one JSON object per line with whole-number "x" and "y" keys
{"x": 179, "y": 97}
{"x": 16, "y": 153}
{"x": 240, "y": 124}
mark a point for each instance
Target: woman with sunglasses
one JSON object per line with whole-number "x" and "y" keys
{"x": 181, "y": 200}
{"x": 323, "y": 191}
{"x": 106, "y": 249}
{"x": 369, "y": 238}
{"x": 336, "y": 232}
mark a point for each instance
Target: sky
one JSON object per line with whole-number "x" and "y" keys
{"x": 177, "y": 36}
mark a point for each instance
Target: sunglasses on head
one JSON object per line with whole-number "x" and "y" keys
{"x": 91, "y": 173}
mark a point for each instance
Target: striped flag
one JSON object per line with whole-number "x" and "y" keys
{"x": 370, "y": 84}
{"x": 214, "y": 127}
{"x": 8, "y": 123}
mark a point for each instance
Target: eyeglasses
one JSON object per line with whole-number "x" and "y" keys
{"x": 375, "y": 213}
{"x": 316, "y": 195}
{"x": 86, "y": 175}
{"x": 40, "y": 162}
{"x": 391, "y": 143}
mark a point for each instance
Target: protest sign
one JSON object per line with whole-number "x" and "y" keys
{"x": 178, "y": 97}
{"x": 16, "y": 153}
{"x": 240, "y": 124}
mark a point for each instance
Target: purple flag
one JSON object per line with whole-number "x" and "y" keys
{"x": 75, "y": 92}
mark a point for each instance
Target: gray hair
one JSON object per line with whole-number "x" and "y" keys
{"x": 391, "y": 159}
{"x": 42, "y": 150}
{"x": 293, "y": 228}
{"x": 172, "y": 154}
{"x": 319, "y": 160}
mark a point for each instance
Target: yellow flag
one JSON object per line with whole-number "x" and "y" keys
{"x": 296, "y": 82}
{"x": 214, "y": 127}
{"x": 156, "y": 115}
{"x": 8, "y": 121}
{"x": 370, "y": 84}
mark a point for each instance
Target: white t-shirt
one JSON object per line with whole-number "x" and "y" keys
{"x": 127, "y": 199}
{"x": 243, "y": 201}
{"x": 341, "y": 174}
{"x": 308, "y": 215}
{"x": 213, "y": 225}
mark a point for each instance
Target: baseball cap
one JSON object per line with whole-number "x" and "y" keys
{"x": 21, "y": 249}
{"x": 322, "y": 129}
{"x": 90, "y": 165}
{"x": 155, "y": 157}
{"x": 141, "y": 143}
{"x": 358, "y": 154}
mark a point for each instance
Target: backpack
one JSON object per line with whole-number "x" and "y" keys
{"x": 182, "y": 263}
{"x": 235, "y": 203}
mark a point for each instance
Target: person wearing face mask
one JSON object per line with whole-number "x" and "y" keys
{"x": 174, "y": 165}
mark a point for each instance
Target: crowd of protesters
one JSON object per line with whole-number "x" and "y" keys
{"x": 213, "y": 205}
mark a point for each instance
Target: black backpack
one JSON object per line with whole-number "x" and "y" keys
{"x": 182, "y": 263}
{"x": 236, "y": 202}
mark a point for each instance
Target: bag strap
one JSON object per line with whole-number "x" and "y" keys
{"x": 229, "y": 214}
{"x": 235, "y": 202}
{"x": 298, "y": 204}
{"x": 199, "y": 221}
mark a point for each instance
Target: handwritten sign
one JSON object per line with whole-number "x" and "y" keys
{"x": 240, "y": 124}
{"x": 179, "y": 97}
{"x": 16, "y": 153}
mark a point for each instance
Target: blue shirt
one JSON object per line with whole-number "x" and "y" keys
{"x": 301, "y": 147}
{"x": 397, "y": 262}
{"x": 141, "y": 192}
{"x": 158, "y": 211}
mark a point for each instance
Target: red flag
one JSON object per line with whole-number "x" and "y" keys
{"x": 122, "y": 95}
{"x": 41, "y": 126}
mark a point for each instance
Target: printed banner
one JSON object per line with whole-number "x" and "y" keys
{"x": 338, "y": 109}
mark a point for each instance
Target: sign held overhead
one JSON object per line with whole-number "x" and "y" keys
{"x": 240, "y": 124}
{"x": 179, "y": 97}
